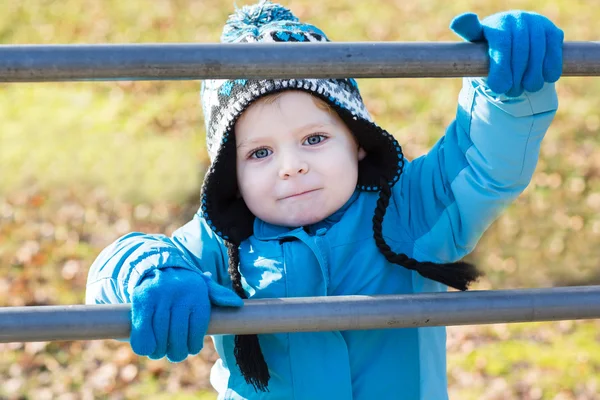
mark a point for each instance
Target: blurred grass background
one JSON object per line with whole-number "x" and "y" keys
{"x": 82, "y": 163}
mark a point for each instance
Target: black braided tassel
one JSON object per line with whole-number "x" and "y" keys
{"x": 457, "y": 275}
{"x": 247, "y": 351}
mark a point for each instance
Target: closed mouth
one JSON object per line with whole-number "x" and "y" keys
{"x": 299, "y": 194}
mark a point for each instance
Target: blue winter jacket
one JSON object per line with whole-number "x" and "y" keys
{"x": 441, "y": 206}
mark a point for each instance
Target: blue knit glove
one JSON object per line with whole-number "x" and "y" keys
{"x": 525, "y": 49}
{"x": 170, "y": 311}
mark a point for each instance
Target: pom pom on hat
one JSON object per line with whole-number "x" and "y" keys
{"x": 248, "y": 20}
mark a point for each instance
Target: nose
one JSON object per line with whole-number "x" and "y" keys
{"x": 292, "y": 166}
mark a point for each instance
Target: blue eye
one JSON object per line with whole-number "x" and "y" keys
{"x": 260, "y": 153}
{"x": 314, "y": 139}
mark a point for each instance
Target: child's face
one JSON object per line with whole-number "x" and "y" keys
{"x": 296, "y": 163}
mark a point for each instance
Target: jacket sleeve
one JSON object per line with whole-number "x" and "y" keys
{"x": 446, "y": 199}
{"x": 121, "y": 265}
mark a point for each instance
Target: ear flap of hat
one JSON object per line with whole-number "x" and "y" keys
{"x": 222, "y": 206}
{"x": 384, "y": 154}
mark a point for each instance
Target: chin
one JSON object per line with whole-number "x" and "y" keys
{"x": 292, "y": 221}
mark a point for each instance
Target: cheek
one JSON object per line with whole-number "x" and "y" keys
{"x": 341, "y": 164}
{"x": 252, "y": 184}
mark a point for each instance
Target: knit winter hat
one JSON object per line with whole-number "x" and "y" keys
{"x": 224, "y": 100}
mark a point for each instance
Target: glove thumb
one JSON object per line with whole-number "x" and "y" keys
{"x": 221, "y": 296}
{"x": 468, "y": 27}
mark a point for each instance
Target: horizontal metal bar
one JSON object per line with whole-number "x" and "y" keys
{"x": 39, "y": 63}
{"x": 80, "y": 322}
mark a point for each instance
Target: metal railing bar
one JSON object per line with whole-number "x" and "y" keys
{"x": 88, "y": 322}
{"x": 45, "y": 63}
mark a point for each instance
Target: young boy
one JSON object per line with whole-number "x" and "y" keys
{"x": 294, "y": 203}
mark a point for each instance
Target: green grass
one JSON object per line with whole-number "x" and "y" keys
{"x": 129, "y": 143}
{"x": 546, "y": 358}
{"x": 81, "y": 163}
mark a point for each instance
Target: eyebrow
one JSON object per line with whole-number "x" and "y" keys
{"x": 249, "y": 142}
{"x": 311, "y": 125}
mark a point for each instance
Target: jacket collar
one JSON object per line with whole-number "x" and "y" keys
{"x": 266, "y": 231}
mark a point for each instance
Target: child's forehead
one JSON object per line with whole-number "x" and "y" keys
{"x": 291, "y": 113}
{"x": 287, "y": 105}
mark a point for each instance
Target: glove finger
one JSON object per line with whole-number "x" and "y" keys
{"x": 198, "y": 325}
{"x": 177, "y": 348}
{"x": 468, "y": 27}
{"x": 533, "y": 80}
{"x": 142, "y": 340}
{"x": 160, "y": 324}
{"x": 221, "y": 296}
{"x": 520, "y": 54}
{"x": 553, "y": 62}
{"x": 500, "y": 76}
